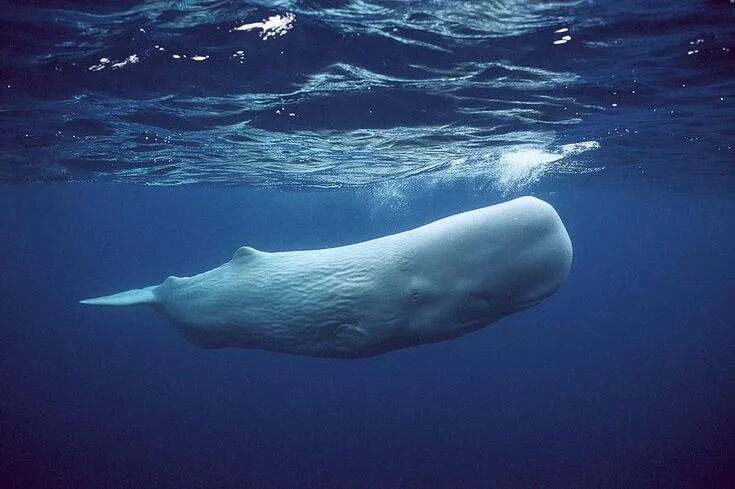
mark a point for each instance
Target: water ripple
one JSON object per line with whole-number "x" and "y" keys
{"x": 351, "y": 92}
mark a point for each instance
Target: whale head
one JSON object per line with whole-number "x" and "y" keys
{"x": 539, "y": 254}
{"x": 476, "y": 267}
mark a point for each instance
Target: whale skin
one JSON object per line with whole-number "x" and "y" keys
{"x": 432, "y": 283}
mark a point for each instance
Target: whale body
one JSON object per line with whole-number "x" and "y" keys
{"x": 428, "y": 284}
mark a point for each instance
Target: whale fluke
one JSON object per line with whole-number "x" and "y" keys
{"x": 127, "y": 298}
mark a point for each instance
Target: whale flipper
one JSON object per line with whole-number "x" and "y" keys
{"x": 127, "y": 298}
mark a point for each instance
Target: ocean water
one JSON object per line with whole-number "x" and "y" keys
{"x": 145, "y": 139}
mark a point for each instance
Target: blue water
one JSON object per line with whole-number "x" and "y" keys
{"x": 144, "y": 139}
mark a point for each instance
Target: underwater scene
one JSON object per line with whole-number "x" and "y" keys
{"x": 367, "y": 244}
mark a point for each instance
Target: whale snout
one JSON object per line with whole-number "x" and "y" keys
{"x": 546, "y": 259}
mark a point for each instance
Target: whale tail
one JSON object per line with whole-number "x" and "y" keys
{"x": 127, "y": 298}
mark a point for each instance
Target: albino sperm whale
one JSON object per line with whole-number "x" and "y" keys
{"x": 432, "y": 283}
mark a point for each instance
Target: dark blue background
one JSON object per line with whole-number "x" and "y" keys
{"x": 622, "y": 379}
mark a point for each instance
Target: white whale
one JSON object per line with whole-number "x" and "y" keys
{"x": 429, "y": 284}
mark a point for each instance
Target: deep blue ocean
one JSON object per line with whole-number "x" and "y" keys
{"x": 145, "y": 139}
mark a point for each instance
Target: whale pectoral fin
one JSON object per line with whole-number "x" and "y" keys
{"x": 349, "y": 332}
{"x": 245, "y": 253}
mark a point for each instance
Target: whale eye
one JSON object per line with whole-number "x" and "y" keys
{"x": 416, "y": 297}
